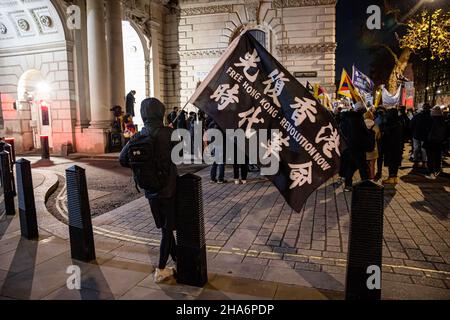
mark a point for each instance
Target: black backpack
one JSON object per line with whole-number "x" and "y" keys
{"x": 149, "y": 172}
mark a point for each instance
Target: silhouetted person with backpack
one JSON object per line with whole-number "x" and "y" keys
{"x": 148, "y": 154}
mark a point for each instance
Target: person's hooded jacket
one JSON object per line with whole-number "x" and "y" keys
{"x": 152, "y": 113}
{"x": 354, "y": 131}
{"x": 420, "y": 125}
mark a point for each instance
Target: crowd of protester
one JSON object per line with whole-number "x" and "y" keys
{"x": 376, "y": 137}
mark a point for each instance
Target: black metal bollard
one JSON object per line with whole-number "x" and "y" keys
{"x": 7, "y": 184}
{"x": 45, "y": 148}
{"x": 11, "y": 142}
{"x": 365, "y": 243}
{"x": 27, "y": 207}
{"x": 80, "y": 222}
{"x": 8, "y": 148}
{"x": 191, "y": 245}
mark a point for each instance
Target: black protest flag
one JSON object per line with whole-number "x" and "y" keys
{"x": 309, "y": 87}
{"x": 249, "y": 89}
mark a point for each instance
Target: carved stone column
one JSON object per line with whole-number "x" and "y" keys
{"x": 98, "y": 65}
{"x": 115, "y": 52}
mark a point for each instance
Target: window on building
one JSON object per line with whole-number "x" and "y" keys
{"x": 260, "y": 36}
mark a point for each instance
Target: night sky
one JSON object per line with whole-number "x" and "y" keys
{"x": 351, "y": 49}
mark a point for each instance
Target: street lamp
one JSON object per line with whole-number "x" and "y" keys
{"x": 427, "y": 66}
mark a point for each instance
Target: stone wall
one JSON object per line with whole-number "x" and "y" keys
{"x": 300, "y": 34}
{"x": 56, "y": 68}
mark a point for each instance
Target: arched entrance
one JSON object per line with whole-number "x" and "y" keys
{"x": 135, "y": 67}
{"x": 37, "y": 83}
{"x": 33, "y": 92}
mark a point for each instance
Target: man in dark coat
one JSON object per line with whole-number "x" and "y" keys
{"x": 217, "y": 177}
{"x": 356, "y": 136}
{"x": 129, "y": 103}
{"x": 162, "y": 204}
{"x": 420, "y": 127}
{"x": 393, "y": 143}
{"x": 435, "y": 143}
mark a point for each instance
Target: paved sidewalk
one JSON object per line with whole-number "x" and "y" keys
{"x": 254, "y": 239}
{"x": 252, "y": 233}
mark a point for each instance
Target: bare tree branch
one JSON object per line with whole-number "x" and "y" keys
{"x": 389, "y": 50}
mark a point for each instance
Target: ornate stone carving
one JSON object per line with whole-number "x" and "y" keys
{"x": 199, "y": 54}
{"x": 327, "y": 47}
{"x": 252, "y": 8}
{"x": 23, "y": 24}
{"x": 227, "y": 8}
{"x": 301, "y": 3}
{"x": 3, "y": 29}
{"x": 139, "y": 12}
{"x": 46, "y": 21}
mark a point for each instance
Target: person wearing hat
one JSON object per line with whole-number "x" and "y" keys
{"x": 434, "y": 144}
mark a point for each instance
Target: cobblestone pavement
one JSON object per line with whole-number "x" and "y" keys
{"x": 251, "y": 232}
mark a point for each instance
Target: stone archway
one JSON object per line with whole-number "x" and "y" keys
{"x": 34, "y": 102}
{"x": 136, "y": 66}
{"x": 36, "y": 55}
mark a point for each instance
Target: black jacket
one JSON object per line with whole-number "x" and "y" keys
{"x": 152, "y": 112}
{"x": 354, "y": 131}
{"x": 438, "y": 133}
{"x": 393, "y": 139}
{"x": 421, "y": 125}
{"x": 129, "y": 105}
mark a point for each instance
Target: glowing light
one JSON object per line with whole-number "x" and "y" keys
{"x": 43, "y": 87}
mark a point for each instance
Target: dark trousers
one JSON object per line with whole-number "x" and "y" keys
{"x": 221, "y": 168}
{"x": 167, "y": 247}
{"x": 356, "y": 161}
{"x": 163, "y": 211}
{"x": 244, "y": 171}
{"x": 393, "y": 171}
{"x": 434, "y": 156}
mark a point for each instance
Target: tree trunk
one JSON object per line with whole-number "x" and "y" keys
{"x": 400, "y": 65}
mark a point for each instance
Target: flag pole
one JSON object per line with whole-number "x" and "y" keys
{"x": 213, "y": 72}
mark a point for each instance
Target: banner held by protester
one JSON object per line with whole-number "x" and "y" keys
{"x": 249, "y": 89}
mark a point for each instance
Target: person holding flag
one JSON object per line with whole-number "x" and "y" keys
{"x": 249, "y": 89}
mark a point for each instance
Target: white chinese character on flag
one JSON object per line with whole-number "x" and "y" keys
{"x": 300, "y": 174}
{"x": 331, "y": 139}
{"x": 275, "y": 145}
{"x": 225, "y": 95}
{"x": 251, "y": 117}
{"x": 275, "y": 85}
{"x": 304, "y": 108}
{"x": 249, "y": 62}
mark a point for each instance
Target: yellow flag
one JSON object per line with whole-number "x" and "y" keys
{"x": 347, "y": 89}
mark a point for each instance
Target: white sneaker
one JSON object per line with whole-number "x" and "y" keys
{"x": 236, "y": 181}
{"x": 430, "y": 176}
{"x": 244, "y": 181}
{"x": 163, "y": 274}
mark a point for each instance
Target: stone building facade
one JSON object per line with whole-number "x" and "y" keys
{"x": 64, "y": 64}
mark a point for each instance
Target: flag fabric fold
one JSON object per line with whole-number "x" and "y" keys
{"x": 249, "y": 89}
